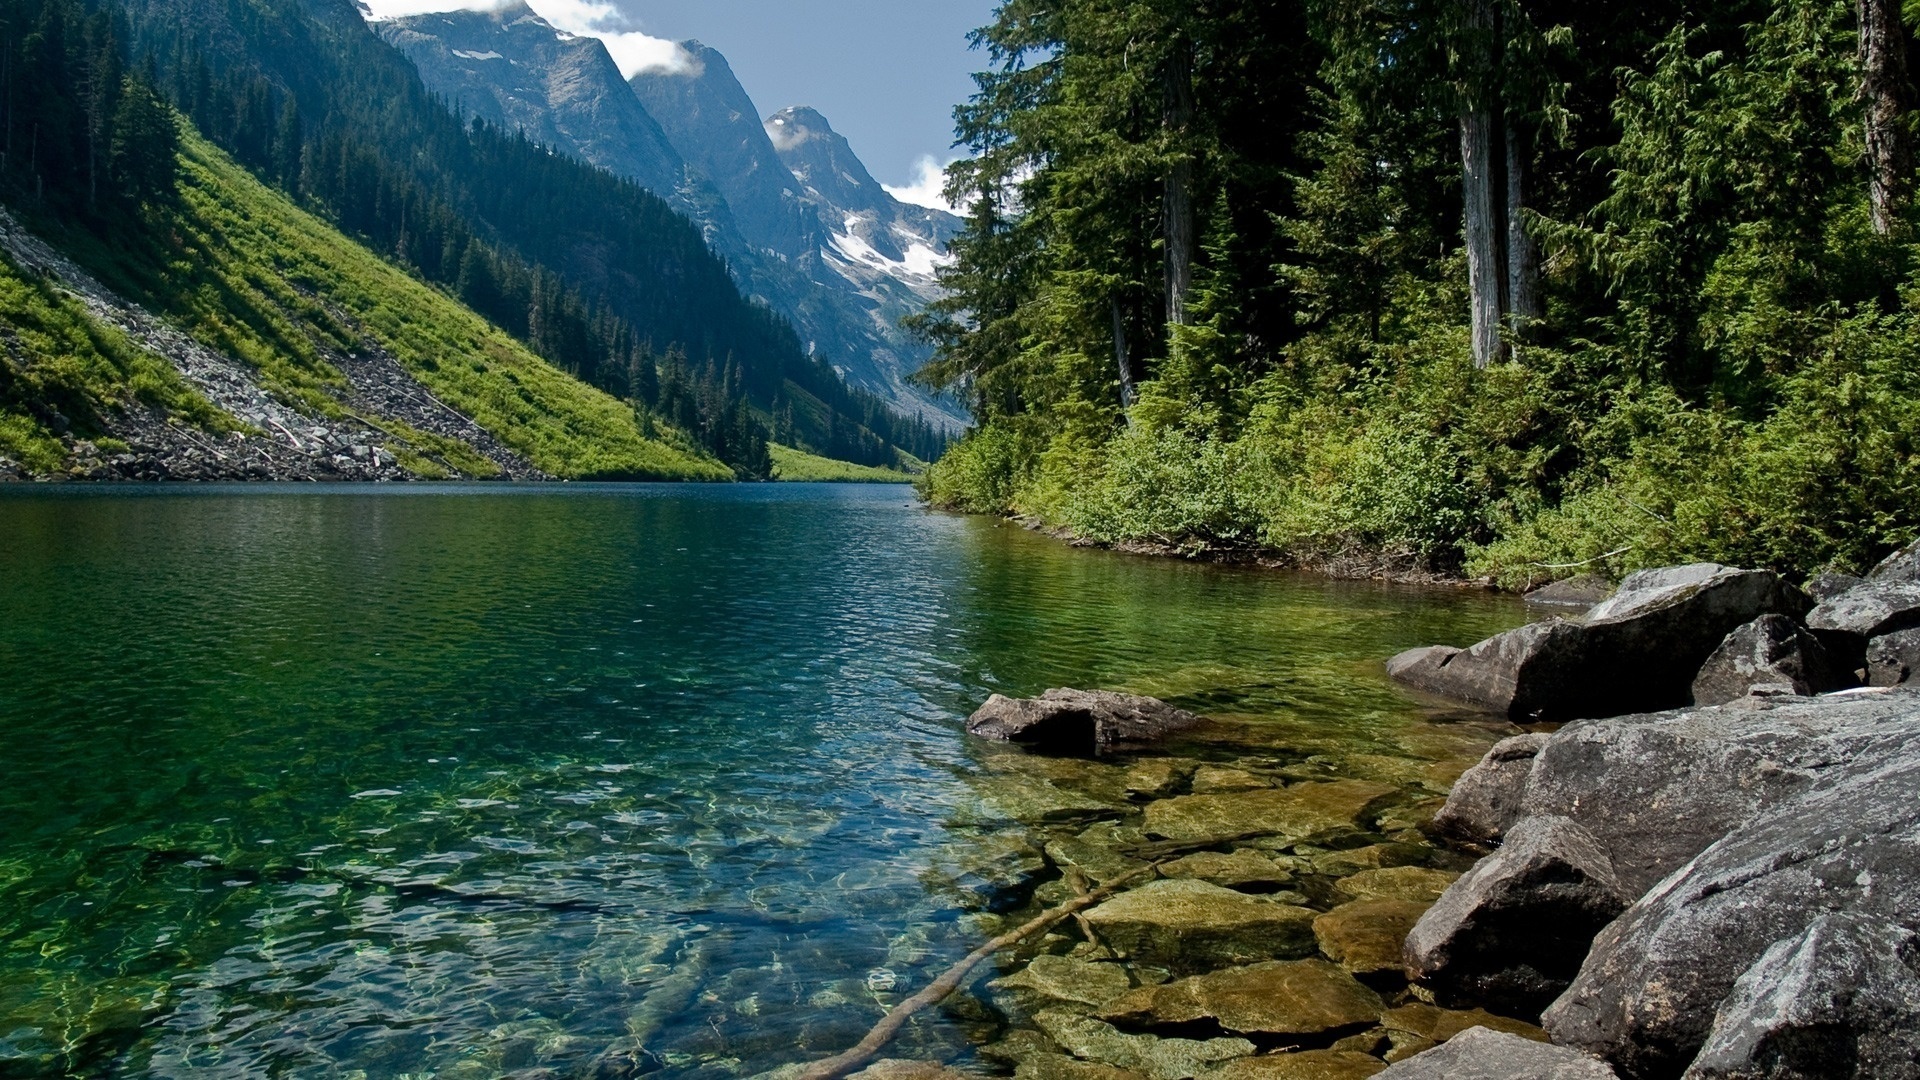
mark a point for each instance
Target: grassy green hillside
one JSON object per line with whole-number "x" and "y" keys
{"x": 246, "y": 272}
{"x": 799, "y": 466}
{"x": 61, "y": 362}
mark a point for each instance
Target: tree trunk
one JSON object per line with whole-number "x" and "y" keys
{"x": 1122, "y": 359}
{"x": 1486, "y": 270}
{"x": 1481, "y": 157}
{"x": 1886, "y": 91}
{"x": 1178, "y": 207}
{"x": 1523, "y": 254}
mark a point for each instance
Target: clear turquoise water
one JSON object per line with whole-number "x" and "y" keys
{"x": 459, "y": 781}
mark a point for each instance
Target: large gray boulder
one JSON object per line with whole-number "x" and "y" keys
{"x": 1902, "y": 565}
{"x": 1848, "y": 621}
{"x": 1657, "y": 790}
{"x": 1636, "y": 651}
{"x": 1894, "y": 659}
{"x": 1484, "y": 1054}
{"x": 1840, "y": 1001}
{"x": 1079, "y": 721}
{"x": 1512, "y": 932}
{"x": 1485, "y": 802}
{"x": 1646, "y": 999}
{"x": 1770, "y": 651}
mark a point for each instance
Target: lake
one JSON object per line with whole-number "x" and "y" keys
{"x": 455, "y": 781}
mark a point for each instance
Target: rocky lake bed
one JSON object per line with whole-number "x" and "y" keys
{"x": 1696, "y": 853}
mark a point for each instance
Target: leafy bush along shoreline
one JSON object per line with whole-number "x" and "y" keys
{"x": 1249, "y": 327}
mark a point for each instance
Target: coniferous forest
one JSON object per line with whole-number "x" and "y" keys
{"x": 592, "y": 273}
{"x": 1505, "y": 288}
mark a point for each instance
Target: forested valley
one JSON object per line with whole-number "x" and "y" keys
{"x": 593, "y": 274}
{"x": 1485, "y": 287}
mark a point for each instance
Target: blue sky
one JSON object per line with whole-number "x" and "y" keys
{"x": 886, "y": 73}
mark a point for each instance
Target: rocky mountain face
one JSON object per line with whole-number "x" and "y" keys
{"x": 804, "y": 225}
{"x": 511, "y": 68}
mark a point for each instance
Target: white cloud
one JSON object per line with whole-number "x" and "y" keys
{"x": 928, "y": 187}
{"x": 631, "y": 49}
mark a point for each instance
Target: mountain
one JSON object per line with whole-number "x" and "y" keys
{"x": 593, "y": 272}
{"x": 843, "y": 286}
{"x": 510, "y": 68}
{"x": 869, "y": 231}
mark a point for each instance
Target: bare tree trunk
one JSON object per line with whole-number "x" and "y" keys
{"x": 1121, "y": 357}
{"x": 1480, "y": 162}
{"x": 1486, "y": 272}
{"x": 1523, "y": 254}
{"x": 1177, "y": 210}
{"x": 1886, "y": 90}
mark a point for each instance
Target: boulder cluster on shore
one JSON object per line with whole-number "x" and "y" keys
{"x": 1710, "y": 871}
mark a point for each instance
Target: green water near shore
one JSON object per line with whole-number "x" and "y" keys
{"x": 459, "y": 781}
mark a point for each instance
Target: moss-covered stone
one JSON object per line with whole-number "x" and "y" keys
{"x": 1368, "y": 936}
{"x": 1192, "y": 926}
{"x": 1310, "y": 813}
{"x": 1294, "y": 998}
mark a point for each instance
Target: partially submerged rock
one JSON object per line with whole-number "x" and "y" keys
{"x": 1485, "y": 802}
{"x": 1771, "y": 651}
{"x": 1192, "y": 926}
{"x": 1368, "y": 937}
{"x": 1294, "y": 998}
{"x": 1842, "y": 1000}
{"x": 1079, "y": 721}
{"x": 1647, "y": 996}
{"x": 1637, "y": 651}
{"x": 1306, "y": 813}
{"x": 1483, "y": 1054}
{"x": 1513, "y": 931}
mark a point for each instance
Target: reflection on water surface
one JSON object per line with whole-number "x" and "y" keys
{"x": 454, "y": 782}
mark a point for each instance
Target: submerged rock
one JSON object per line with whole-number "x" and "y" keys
{"x": 1296, "y": 998}
{"x": 1302, "y": 1065}
{"x": 1190, "y": 926}
{"x": 1484, "y": 1054}
{"x": 902, "y": 1069}
{"x": 1078, "y": 721}
{"x": 1840, "y": 1001}
{"x": 1513, "y": 931}
{"x": 1158, "y": 778}
{"x": 1486, "y": 801}
{"x": 1638, "y": 650}
{"x": 1773, "y": 651}
{"x": 1415, "y": 883}
{"x": 1245, "y": 870}
{"x": 1647, "y": 996}
{"x": 1372, "y": 857}
{"x": 1306, "y": 813}
{"x": 1062, "y": 1067}
{"x": 1368, "y": 937}
{"x": 1068, "y": 981}
{"x": 1160, "y": 1059}
{"x": 1438, "y": 1025}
